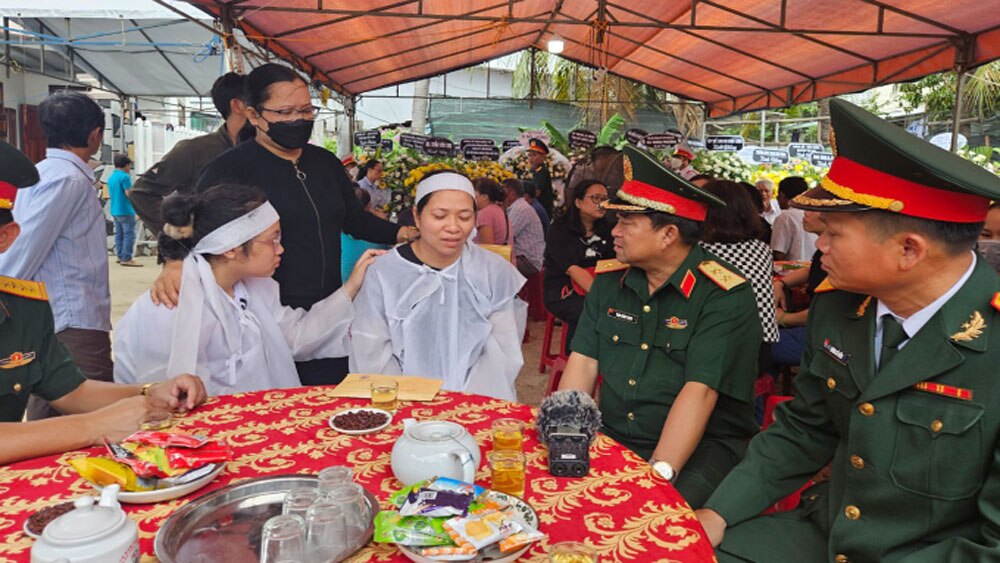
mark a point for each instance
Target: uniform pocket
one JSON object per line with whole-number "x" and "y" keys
{"x": 616, "y": 338}
{"x": 836, "y": 376}
{"x": 939, "y": 446}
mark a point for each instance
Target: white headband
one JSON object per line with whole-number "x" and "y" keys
{"x": 444, "y": 181}
{"x": 238, "y": 231}
{"x": 200, "y": 291}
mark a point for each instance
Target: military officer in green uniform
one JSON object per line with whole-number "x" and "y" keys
{"x": 32, "y": 361}
{"x": 673, "y": 331}
{"x": 898, "y": 385}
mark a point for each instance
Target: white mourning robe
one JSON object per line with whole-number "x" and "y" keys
{"x": 143, "y": 336}
{"x": 462, "y": 324}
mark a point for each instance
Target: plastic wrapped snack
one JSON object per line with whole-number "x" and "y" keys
{"x": 450, "y": 553}
{"x": 481, "y": 531}
{"x": 392, "y": 527}
{"x": 425, "y": 502}
{"x": 102, "y": 471}
{"x": 167, "y": 439}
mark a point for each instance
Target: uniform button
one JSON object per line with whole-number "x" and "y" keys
{"x": 631, "y": 416}
{"x": 841, "y": 558}
{"x": 866, "y": 409}
{"x": 17, "y": 387}
{"x": 614, "y": 338}
{"x": 632, "y": 382}
{"x": 646, "y": 308}
{"x": 857, "y": 462}
{"x": 831, "y": 383}
{"x": 813, "y": 497}
{"x": 852, "y": 512}
{"x": 936, "y": 426}
{"x": 644, "y": 346}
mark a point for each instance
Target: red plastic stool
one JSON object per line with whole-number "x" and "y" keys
{"x": 547, "y": 358}
{"x": 531, "y": 293}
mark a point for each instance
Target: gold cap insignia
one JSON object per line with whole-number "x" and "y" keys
{"x": 627, "y": 168}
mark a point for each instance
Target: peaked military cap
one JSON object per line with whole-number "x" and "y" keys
{"x": 649, "y": 186}
{"x": 16, "y": 171}
{"x": 538, "y": 145}
{"x": 879, "y": 165}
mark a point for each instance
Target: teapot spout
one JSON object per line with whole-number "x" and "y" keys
{"x": 408, "y": 422}
{"x": 109, "y": 496}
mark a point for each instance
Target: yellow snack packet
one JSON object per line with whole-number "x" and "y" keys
{"x": 102, "y": 471}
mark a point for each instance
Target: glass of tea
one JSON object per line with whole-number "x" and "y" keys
{"x": 508, "y": 434}
{"x": 385, "y": 395}
{"x": 572, "y": 552}
{"x": 507, "y": 470}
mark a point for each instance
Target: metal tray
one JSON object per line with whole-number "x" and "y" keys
{"x": 240, "y": 510}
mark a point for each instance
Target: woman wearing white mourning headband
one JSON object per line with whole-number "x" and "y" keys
{"x": 229, "y": 327}
{"x": 441, "y": 306}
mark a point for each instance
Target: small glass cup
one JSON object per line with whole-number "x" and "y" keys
{"x": 333, "y": 477}
{"x": 385, "y": 395}
{"x": 507, "y": 471}
{"x": 508, "y": 434}
{"x": 326, "y": 536}
{"x": 357, "y": 514}
{"x": 298, "y": 501}
{"x": 571, "y": 552}
{"x": 283, "y": 539}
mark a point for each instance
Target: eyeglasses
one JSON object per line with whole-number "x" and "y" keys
{"x": 289, "y": 114}
{"x": 598, "y": 199}
{"x": 276, "y": 242}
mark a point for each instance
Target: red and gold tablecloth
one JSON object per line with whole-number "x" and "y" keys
{"x": 622, "y": 509}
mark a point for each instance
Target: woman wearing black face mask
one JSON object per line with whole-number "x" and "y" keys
{"x": 307, "y": 185}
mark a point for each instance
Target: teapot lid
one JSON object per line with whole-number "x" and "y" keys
{"x": 85, "y": 524}
{"x": 435, "y": 431}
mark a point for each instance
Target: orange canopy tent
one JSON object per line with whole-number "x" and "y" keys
{"x": 733, "y": 55}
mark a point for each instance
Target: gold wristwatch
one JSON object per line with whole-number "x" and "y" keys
{"x": 145, "y": 389}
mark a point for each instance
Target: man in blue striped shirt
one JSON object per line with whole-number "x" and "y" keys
{"x": 63, "y": 242}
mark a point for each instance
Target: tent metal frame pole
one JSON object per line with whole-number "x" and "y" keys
{"x": 531, "y": 78}
{"x": 71, "y": 57}
{"x": 963, "y": 54}
{"x": 6, "y": 47}
{"x": 168, "y": 61}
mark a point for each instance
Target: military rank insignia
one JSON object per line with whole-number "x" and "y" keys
{"x": 16, "y": 360}
{"x": 687, "y": 284}
{"x": 721, "y": 276}
{"x": 841, "y": 356}
{"x": 945, "y": 390}
{"x": 971, "y": 329}
{"x": 676, "y": 323}
{"x": 622, "y": 316}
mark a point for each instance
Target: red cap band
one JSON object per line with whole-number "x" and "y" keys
{"x": 867, "y": 186}
{"x": 650, "y": 196}
{"x": 8, "y": 192}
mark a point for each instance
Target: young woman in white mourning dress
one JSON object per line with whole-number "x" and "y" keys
{"x": 441, "y": 306}
{"x": 229, "y": 327}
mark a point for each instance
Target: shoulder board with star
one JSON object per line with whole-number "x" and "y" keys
{"x": 824, "y": 286}
{"x": 609, "y": 265}
{"x": 24, "y": 288}
{"x": 723, "y": 277}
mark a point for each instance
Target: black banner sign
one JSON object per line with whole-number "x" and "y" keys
{"x": 635, "y": 136}
{"x": 476, "y": 143}
{"x": 661, "y": 140}
{"x": 412, "y": 140}
{"x": 507, "y": 145}
{"x": 371, "y": 138}
{"x": 387, "y": 145}
{"x": 481, "y": 152}
{"x": 438, "y": 146}
{"x": 582, "y": 139}
{"x": 803, "y": 150}
{"x": 770, "y": 156}
{"x": 729, "y": 143}
{"x": 821, "y": 159}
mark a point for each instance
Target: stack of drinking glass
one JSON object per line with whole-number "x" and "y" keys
{"x": 318, "y": 524}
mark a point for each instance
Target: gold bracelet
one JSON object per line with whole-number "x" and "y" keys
{"x": 145, "y": 389}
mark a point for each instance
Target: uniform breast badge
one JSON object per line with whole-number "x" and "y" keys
{"x": 16, "y": 360}
{"x": 945, "y": 390}
{"x": 676, "y": 323}
{"x": 971, "y": 329}
{"x": 841, "y": 356}
{"x": 622, "y": 316}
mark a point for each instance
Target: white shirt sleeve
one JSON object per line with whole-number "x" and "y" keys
{"x": 370, "y": 339}
{"x": 494, "y": 372}
{"x": 320, "y": 332}
{"x": 142, "y": 343}
{"x": 782, "y": 233}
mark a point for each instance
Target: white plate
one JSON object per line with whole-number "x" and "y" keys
{"x": 517, "y": 504}
{"x": 365, "y": 431}
{"x": 170, "y": 493}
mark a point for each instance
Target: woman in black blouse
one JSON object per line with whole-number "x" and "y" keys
{"x": 573, "y": 245}
{"x": 308, "y": 187}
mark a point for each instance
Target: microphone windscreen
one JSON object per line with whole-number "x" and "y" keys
{"x": 568, "y": 409}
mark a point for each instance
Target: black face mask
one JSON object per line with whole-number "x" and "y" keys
{"x": 248, "y": 131}
{"x": 290, "y": 134}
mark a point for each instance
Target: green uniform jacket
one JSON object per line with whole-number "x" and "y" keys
{"x": 31, "y": 358}
{"x": 916, "y": 474}
{"x": 648, "y": 347}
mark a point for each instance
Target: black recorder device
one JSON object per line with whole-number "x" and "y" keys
{"x": 569, "y": 452}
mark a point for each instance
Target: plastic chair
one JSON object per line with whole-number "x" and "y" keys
{"x": 548, "y": 358}
{"x": 531, "y": 293}
{"x": 792, "y": 500}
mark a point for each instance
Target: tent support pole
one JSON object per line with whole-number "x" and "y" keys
{"x": 963, "y": 53}
{"x": 531, "y": 79}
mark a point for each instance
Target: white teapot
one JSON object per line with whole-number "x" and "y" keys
{"x": 434, "y": 448}
{"x": 90, "y": 534}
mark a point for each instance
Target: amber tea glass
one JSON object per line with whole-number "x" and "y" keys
{"x": 507, "y": 470}
{"x": 572, "y": 552}
{"x": 508, "y": 434}
{"x": 385, "y": 395}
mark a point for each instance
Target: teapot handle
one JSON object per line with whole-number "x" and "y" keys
{"x": 468, "y": 465}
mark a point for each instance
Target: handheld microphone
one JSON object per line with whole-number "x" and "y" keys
{"x": 567, "y": 423}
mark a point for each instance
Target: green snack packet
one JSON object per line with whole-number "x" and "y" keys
{"x": 421, "y": 531}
